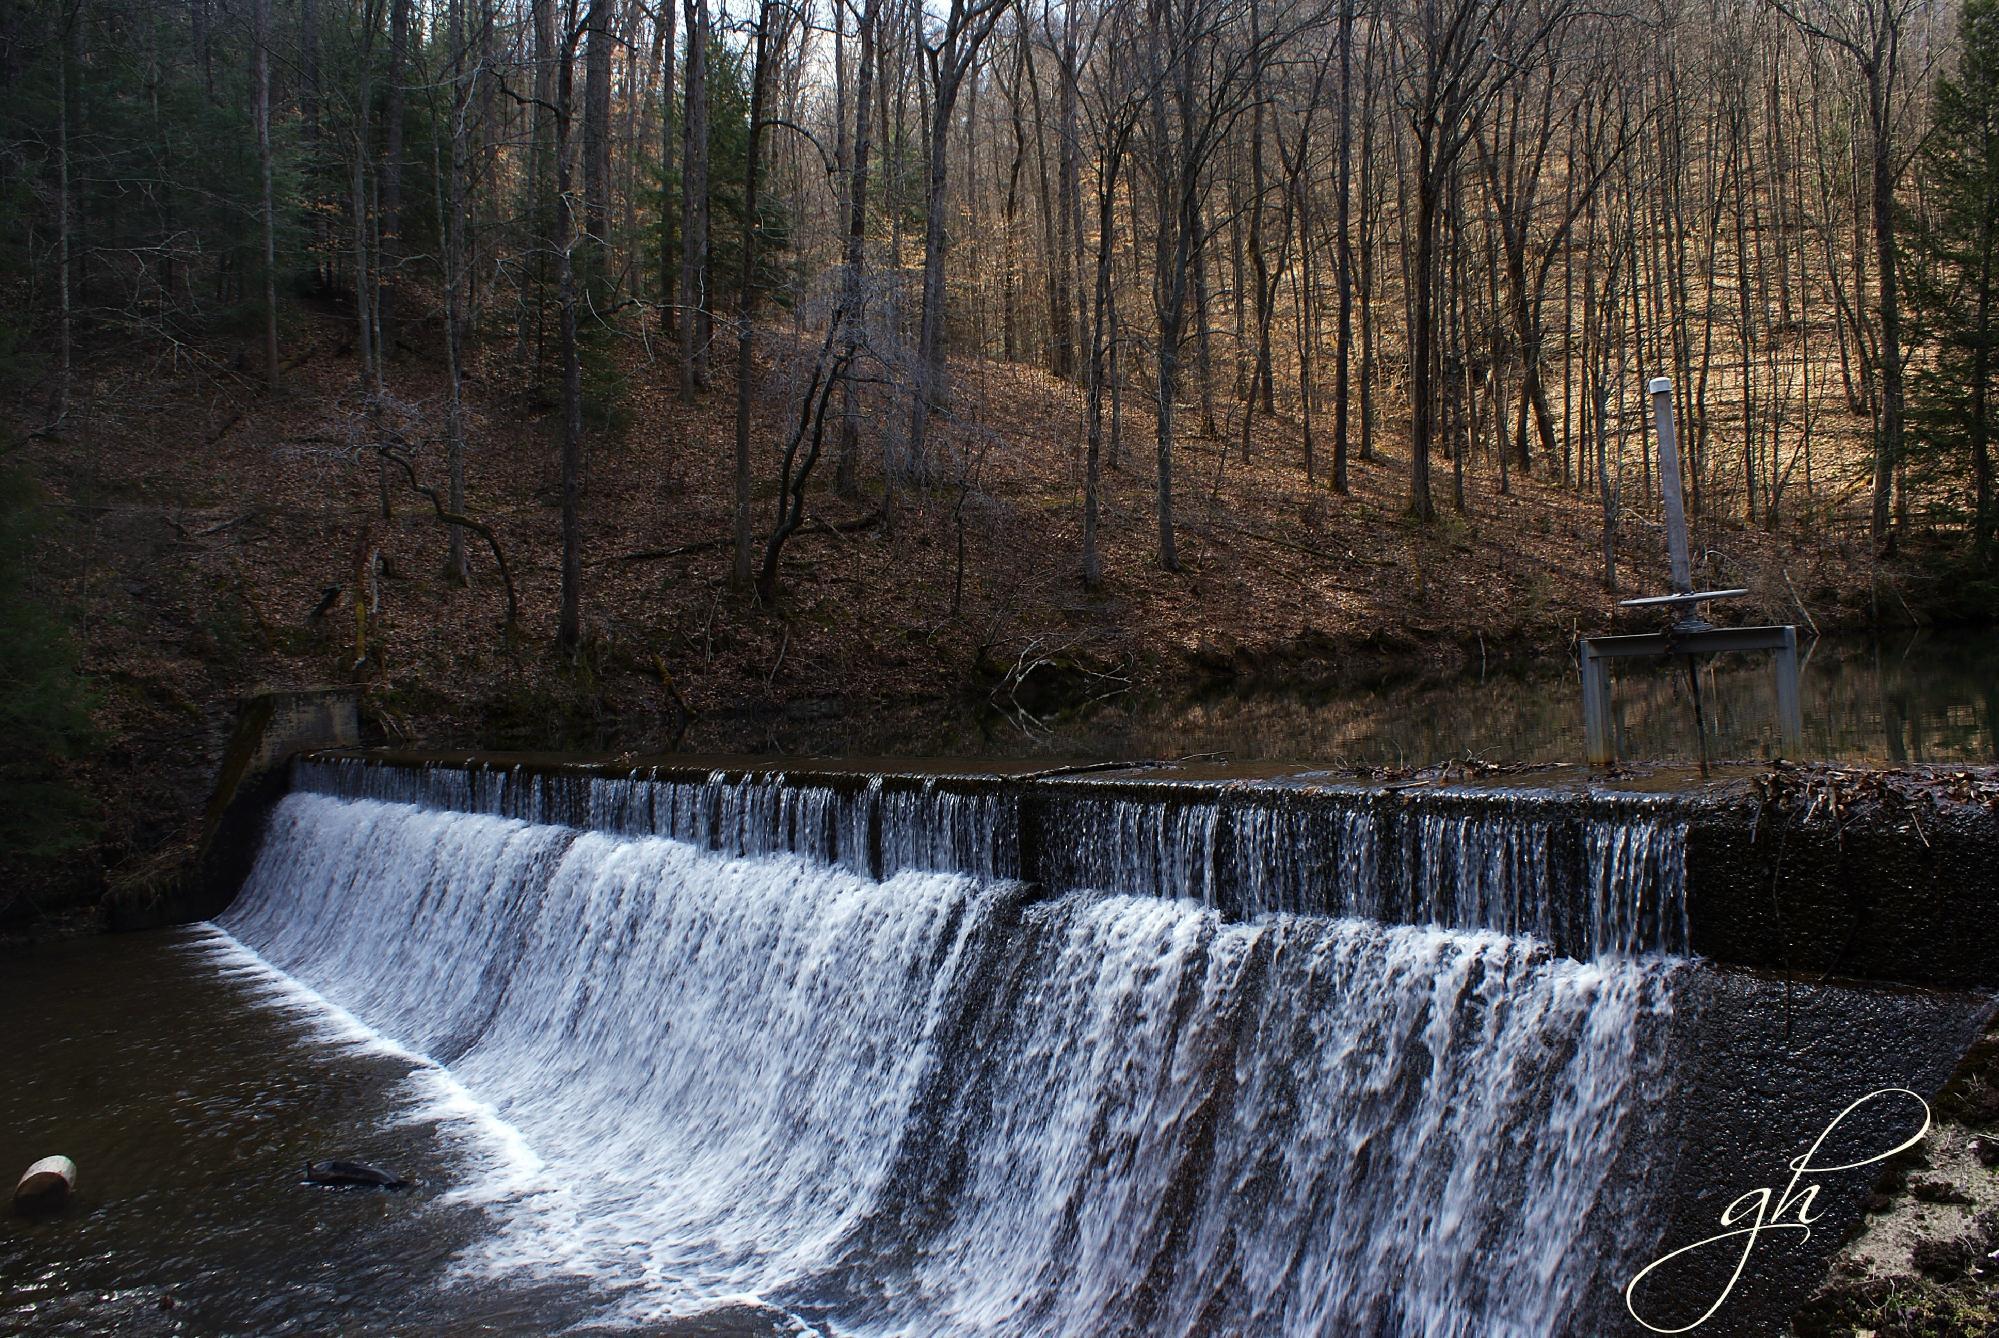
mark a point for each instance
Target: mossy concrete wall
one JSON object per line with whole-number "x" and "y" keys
{"x": 271, "y": 728}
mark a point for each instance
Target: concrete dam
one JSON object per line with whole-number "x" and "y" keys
{"x": 1091, "y": 1051}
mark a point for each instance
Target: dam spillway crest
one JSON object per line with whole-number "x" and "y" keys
{"x": 934, "y": 1057}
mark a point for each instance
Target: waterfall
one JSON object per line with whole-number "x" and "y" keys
{"x": 820, "y": 1043}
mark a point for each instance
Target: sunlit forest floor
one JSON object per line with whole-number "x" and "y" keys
{"x": 199, "y": 521}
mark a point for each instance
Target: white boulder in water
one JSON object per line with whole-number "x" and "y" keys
{"x": 45, "y": 1185}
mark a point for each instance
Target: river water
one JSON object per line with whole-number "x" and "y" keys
{"x": 191, "y": 1083}
{"x": 702, "y": 1062}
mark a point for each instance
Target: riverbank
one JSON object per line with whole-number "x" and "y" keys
{"x": 1925, "y": 1261}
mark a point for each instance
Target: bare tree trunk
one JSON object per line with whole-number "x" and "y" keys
{"x": 1102, "y": 317}
{"x": 456, "y": 570}
{"x": 260, "y": 20}
{"x": 540, "y": 173}
{"x": 627, "y": 165}
{"x": 308, "y": 97}
{"x": 1606, "y": 325}
{"x": 1888, "y": 447}
{"x": 1060, "y": 304}
{"x": 203, "y": 43}
{"x": 1117, "y": 382}
{"x": 1068, "y": 207}
{"x": 597, "y": 42}
{"x": 928, "y": 394}
{"x": 1264, "y": 294}
{"x": 668, "y": 266}
{"x": 1981, "y": 375}
{"x": 746, "y": 310}
{"x": 694, "y": 316}
{"x": 1745, "y": 314}
{"x": 364, "y": 284}
{"x": 1364, "y": 277}
{"x": 853, "y": 308}
{"x": 1342, "y": 207}
{"x": 388, "y": 249}
{"x": 1010, "y": 223}
{"x": 1457, "y": 371}
{"x": 1204, "y": 342}
{"x": 1422, "y": 339}
{"x": 569, "y": 627}
{"x": 65, "y": 216}
{"x": 955, "y": 54}
{"x": 1305, "y": 304}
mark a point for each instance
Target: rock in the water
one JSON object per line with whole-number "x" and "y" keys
{"x": 45, "y": 1186}
{"x": 351, "y": 1173}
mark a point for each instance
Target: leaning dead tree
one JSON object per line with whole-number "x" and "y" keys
{"x": 795, "y": 470}
{"x": 396, "y": 454}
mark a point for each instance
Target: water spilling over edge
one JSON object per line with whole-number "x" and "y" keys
{"x": 1608, "y": 877}
{"x": 925, "y": 1103}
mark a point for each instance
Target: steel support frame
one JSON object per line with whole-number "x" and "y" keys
{"x": 1598, "y": 734}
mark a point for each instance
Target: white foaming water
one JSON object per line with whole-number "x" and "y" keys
{"x": 919, "y": 1106}
{"x": 497, "y": 1162}
{"x": 713, "y": 1054}
{"x": 1294, "y": 1126}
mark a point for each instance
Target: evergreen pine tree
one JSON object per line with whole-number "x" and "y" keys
{"x": 1953, "y": 250}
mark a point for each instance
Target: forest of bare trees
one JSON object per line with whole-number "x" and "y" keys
{"x": 1455, "y": 234}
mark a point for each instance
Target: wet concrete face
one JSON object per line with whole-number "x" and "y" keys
{"x": 1765, "y": 1065}
{"x": 1893, "y": 894}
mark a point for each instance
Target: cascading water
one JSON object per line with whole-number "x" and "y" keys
{"x": 820, "y": 1045}
{"x": 1604, "y": 879}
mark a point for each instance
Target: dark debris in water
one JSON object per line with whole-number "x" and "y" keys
{"x": 338, "y": 1174}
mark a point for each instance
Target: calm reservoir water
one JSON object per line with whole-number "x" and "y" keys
{"x": 1929, "y": 697}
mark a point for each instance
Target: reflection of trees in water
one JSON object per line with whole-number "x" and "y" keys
{"x": 1931, "y": 699}
{"x": 1935, "y": 699}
